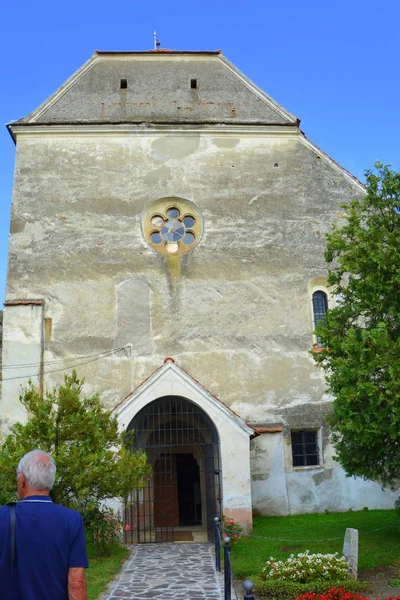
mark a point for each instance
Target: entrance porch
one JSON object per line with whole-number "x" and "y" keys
{"x": 199, "y": 450}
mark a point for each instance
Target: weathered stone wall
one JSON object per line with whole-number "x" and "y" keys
{"x": 241, "y": 306}
{"x": 238, "y": 318}
{"x": 22, "y": 355}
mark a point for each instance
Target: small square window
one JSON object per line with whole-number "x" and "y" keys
{"x": 305, "y": 448}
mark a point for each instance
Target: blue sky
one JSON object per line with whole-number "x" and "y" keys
{"x": 335, "y": 64}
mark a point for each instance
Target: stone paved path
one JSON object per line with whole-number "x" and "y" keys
{"x": 168, "y": 572}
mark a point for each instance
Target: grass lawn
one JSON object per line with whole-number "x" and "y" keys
{"x": 103, "y": 570}
{"x": 375, "y": 548}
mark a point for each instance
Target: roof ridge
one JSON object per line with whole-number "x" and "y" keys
{"x": 158, "y": 51}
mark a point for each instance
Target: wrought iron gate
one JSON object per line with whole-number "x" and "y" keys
{"x": 184, "y": 491}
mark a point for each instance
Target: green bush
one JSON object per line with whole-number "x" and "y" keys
{"x": 93, "y": 458}
{"x": 6, "y": 497}
{"x": 287, "y": 590}
{"x": 103, "y": 529}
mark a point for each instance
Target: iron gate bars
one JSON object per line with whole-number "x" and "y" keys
{"x": 182, "y": 445}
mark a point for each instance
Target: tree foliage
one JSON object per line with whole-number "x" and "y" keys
{"x": 361, "y": 335}
{"x": 93, "y": 458}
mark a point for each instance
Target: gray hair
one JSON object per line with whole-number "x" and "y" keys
{"x": 39, "y": 469}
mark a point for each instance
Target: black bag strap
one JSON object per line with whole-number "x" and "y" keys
{"x": 12, "y": 543}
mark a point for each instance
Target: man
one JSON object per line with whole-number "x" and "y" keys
{"x": 50, "y": 550}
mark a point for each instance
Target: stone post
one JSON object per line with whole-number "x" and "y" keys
{"x": 350, "y": 551}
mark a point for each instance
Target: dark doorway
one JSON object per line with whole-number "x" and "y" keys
{"x": 189, "y": 494}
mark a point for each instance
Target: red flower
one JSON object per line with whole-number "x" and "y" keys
{"x": 337, "y": 594}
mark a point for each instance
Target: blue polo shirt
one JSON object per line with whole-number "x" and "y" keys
{"x": 49, "y": 539}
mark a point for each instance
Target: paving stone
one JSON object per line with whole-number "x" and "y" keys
{"x": 168, "y": 572}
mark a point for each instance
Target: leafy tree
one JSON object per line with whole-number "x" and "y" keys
{"x": 361, "y": 335}
{"x": 93, "y": 458}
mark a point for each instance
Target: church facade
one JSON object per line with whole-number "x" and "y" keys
{"x": 167, "y": 242}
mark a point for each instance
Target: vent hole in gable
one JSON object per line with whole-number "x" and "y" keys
{"x": 123, "y": 84}
{"x": 193, "y": 84}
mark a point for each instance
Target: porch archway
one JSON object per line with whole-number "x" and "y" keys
{"x": 183, "y": 495}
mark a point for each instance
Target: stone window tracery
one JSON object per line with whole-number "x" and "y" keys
{"x": 173, "y": 226}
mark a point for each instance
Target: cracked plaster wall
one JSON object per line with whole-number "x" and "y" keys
{"x": 238, "y": 318}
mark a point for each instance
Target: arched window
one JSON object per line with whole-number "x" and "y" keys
{"x": 320, "y": 306}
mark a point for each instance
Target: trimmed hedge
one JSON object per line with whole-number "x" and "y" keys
{"x": 288, "y": 590}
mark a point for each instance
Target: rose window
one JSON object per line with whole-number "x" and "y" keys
{"x": 173, "y": 229}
